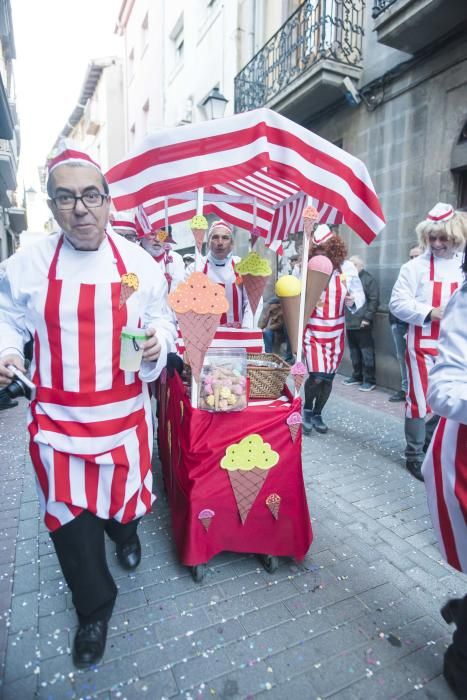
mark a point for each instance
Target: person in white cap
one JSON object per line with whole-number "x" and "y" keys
{"x": 219, "y": 266}
{"x": 323, "y": 341}
{"x": 123, "y": 223}
{"x": 90, "y": 422}
{"x": 445, "y": 470}
{"x": 158, "y": 243}
{"x": 419, "y": 296}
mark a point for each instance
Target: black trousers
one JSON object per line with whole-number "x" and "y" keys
{"x": 318, "y": 387}
{"x": 459, "y": 638}
{"x": 80, "y": 548}
{"x": 362, "y": 354}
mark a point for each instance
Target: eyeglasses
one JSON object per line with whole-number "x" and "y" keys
{"x": 67, "y": 202}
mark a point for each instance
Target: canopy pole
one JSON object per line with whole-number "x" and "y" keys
{"x": 166, "y": 214}
{"x": 198, "y": 266}
{"x": 305, "y": 248}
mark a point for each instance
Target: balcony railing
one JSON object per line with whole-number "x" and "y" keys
{"x": 327, "y": 29}
{"x": 380, "y": 6}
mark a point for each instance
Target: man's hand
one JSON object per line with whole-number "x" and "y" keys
{"x": 364, "y": 323}
{"x": 6, "y": 375}
{"x": 437, "y": 313}
{"x": 349, "y": 301}
{"x": 152, "y": 347}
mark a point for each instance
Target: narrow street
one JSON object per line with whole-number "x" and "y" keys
{"x": 358, "y": 619}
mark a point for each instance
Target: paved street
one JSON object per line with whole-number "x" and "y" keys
{"x": 357, "y": 620}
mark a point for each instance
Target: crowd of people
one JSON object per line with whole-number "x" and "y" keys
{"x": 90, "y": 422}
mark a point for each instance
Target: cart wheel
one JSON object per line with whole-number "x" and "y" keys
{"x": 269, "y": 562}
{"x": 198, "y": 572}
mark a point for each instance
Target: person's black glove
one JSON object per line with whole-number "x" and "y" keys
{"x": 174, "y": 364}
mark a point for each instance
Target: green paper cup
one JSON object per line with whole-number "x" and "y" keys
{"x": 131, "y": 348}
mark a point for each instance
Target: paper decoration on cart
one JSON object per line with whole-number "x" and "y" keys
{"x": 298, "y": 373}
{"x": 254, "y": 235}
{"x": 317, "y": 279}
{"x": 199, "y": 226}
{"x": 273, "y": 502}
{"x": 129, "y": 285}
{"x": 205, "y": 517}
{"x": 294, "y": 422}
{"x": 247, "y": 463}
{"x": 199, "y": 305}
{"x": 255, "y": 272}
{"x": 288, "y": 290}
{"x": 310, "y": 217}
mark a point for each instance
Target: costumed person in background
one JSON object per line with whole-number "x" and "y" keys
{"x": 90, "y": 423}
{"x": 219, "y": 266}
{"x": 159, "y": 243}
{"x": 323, "y": 341}
{"x": 123, "y": 223}
{"x": 445, "y": 470}
{"x": 421, "y": 292}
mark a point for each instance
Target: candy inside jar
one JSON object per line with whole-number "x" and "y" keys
{"x": 223, "y": 384}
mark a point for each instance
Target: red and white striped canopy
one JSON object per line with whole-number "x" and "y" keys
{"x": 257, "y": 168}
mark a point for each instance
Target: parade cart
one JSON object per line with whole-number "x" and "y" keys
{"x": 259, "y": 171}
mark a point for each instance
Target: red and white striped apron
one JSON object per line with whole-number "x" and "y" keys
{"x": 421, "y": 347}
{"x": 445, "y": 473}
{"x": 323, "y": 342}
{"x": 90, "y": 423}
{"x": 233, "y": 292}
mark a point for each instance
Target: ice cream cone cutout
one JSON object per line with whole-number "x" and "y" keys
{"x": 130, "y": 284}
{"x": 255, "y": 272}
{"x": 205, "y": 516}
{"x": 294, "y": 422}
{"x": 273, "y": 502}
{"x": 247, "y": 463}
{"x": 298, "y": 373}
{"x": 318, "y": 274}
{"x": 310, "y": 217}
{"x": 199, "y": 305}
{"x": 288, "y": 291}
{"x": 199, "y": 226}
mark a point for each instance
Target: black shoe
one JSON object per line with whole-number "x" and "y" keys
{"x": 307, "y": 424}
{"x": 7, "y": 402}
{"x": 350, "y": 381}
{"x": 318, "y": 424}
{"x": 450, "y": 610}
{"x": 129, "y": 553}
{"x": 455, "y": 672}
{"x": 89, "y": 644}
{"x": 415, "y": 468}
{"x": 397, "y": 396}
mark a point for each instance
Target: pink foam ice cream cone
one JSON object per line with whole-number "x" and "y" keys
{"x": 317, "y": 279}
{"x": 310, "y": 216}
{"x": 294, "y": 422}
{"x": 205, "y": 517}
{"x": 298, "y": 373}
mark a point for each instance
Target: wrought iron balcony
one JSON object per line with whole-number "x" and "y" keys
{"x": 318, "y": 31}
{"x": 380, "y": 6}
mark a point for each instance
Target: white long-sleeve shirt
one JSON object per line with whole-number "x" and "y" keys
{"x": 25, "y": 273}
{"x": 447, "y": 389}
{"x": 411, "y": 298}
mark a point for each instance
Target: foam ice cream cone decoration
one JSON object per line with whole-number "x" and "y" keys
{"x": 317, "y": 279}
{"x": 205, "y": 516}
{"x": 199, "y": 226}
{"x": 247, "y": 463}
{"x": 273, "y": 502}
{"x": 298, "y": 373}
{"x": 288, "y": 291}
{"x": 199, "y": 305}
{"x": 255, "y": 272}
{"x": 254, "y": 235}
{"x": 129, "y": 285}
{"x": 294, "y": 422}
{"x": 310, "y": 217}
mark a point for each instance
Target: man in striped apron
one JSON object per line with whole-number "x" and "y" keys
{"x": 90, "y": 423}
{"x": 445, "y": 469}
{"x": 219, "y": 266}
{"x": 421, "y": 292}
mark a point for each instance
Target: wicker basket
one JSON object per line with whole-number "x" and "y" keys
{"x": 267, "y": 382}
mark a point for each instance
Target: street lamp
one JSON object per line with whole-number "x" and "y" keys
{"x": 215, "y": 104}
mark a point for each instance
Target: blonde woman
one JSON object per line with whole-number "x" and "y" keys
{"x": 421, "y": 292}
